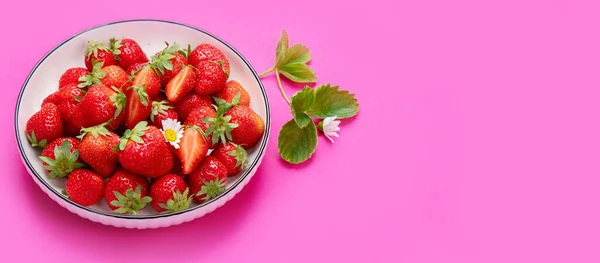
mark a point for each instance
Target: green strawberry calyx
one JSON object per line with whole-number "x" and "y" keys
{"x": 212, "y": 189}
{"x": 219, "y": 125}
{"x": 95, "y": 131}
{"x": 93, "y": 48}
{"x": 186, "y": 53}
{"x": 180, "y": 201}
{"x": 94, "y": 77}
{"x": 114, "y": 46}
{"x": 140, "y": 90}
{"x": 131, "y": 202}
{"x": 34, "y": 141}
{"x": 64, "y": 161}
{"x": 119, "y": 100}
{"x": 161, "y": 61}
{"x": 240, "y": 155}
{"x": 159, "y": 107}
{"x": 221, "y": 64}
{"x": 134, "y": 134}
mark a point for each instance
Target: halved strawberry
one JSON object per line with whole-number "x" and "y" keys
{"x": 181, "y": 84}
{"x": 196, "y": 118}
{"x": 138, "y": 106}
{"x": 192, "y": 148}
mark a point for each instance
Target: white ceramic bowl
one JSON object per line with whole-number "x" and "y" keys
{"x": 150, "y": 34}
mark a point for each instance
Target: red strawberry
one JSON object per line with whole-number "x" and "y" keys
{"x": 232, "y": 156}
{"x": 100, "y": 105}
{"x": 209, "y": 180}
{"x": 232, "y": 88}
{"x": 54, "y": 98}
{"x": 70, "y": 96}
{"x": 61, "y": 157}
{"x": 190, "y": 103}
{"x": 134, "y": 68}
{"x": 206, "y": 52}
{"x": 127, "y": 192}
{"x": 168, "y": 62}
{"x": 44, "y": 126}
{"x": 161, "y": 111}
{"x": 85, "y": 187}
{"x": 115, "y": 77}
{"x": 213, "y": 68}
{"x": 138, "y": 106}
{"x": 97, "y": 51}
{"x": 251, "y": 126}
{"x": 170, "y": 193}
{"x": 94, "y": 77}
{"x": 196, "y": 116}
{"x": 192, "y": 148}
{"x": 128, "y": 52}
{"x": 147, "y": 77}
{"x": 145, "y": 151}
{"x": 71, "y": 76}
{"x": 97, "y": 149}
{"x": 181, "y": 84}
{"x": 211, "y": 77}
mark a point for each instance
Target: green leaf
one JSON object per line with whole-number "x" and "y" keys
{"x": 301, "y": 102}
{"x": 296, "y": 54}
{"x": 297, "y": 144}
{"x": 331, "y": 101}
{"x": 282, "y": 46}
{"x": 298, "y": 72}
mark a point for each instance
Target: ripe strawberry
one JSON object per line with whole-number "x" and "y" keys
{"x": 147, "y": 77}
{"x": 71, "y": 76}
{"x": 97, "y": 149}
{"x": 170, "y": 193}
{"x": 44, "y": 126}
{"x": 192, "y": 148}
{"x": 190, "y": 103}
{"x": 128, "y": 52}
{"x": 206, "y": 52}
{"x": 161, "y": 111}
{"x": 145, "y": 151}
{"x": 196, "y": 116}
{"x": 54, "y": 98}
{"x": 138, "y": 107}
{"x": 181, "y": 84}
{"x": 211, "y": 77}
{"x": 70, "y": 95}
{"x": 168, "y": 62}
{"x": 100, "y": 105}
{"x": 61, "y": 157}
{"x": 85, "y": 187}
{"x": 232, "y": 88}
{"x": 127, "y": 192}
{"x": 209, "y": 180}
{"x": 250, "y": 126}
{"x": 97, "y": 51}
{"x": 115, "y": 77}
{"x": 213, "y": 68}
{"x": 94, "y": 77}
{"x": 135, "y": 67}
{"x": 232, "y": 156}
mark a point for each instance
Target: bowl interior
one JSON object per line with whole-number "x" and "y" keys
{"x": 151, "y": 35}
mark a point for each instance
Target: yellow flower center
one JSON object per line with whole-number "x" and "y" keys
{"x": 170, "y": 135}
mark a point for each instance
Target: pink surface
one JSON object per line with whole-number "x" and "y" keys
{"x": 477, "y": 138}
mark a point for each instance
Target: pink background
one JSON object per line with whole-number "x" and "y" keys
{"x": 477, "y": 138}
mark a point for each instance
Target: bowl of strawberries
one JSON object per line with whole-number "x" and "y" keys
{"x": 122, "y": 128}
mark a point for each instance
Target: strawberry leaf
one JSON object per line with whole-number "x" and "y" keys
{"x": 331, "y": 101}
{"x": 302, "y": 102}
{"x": 295, "y": 54}
{"x": 298, "y": 72}
{"x": 297, "y": 144}
{"x": 282, "y": 46}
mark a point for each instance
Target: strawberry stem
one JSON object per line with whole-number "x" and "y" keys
{"x": 266, "y": 72}
{"x": 281, "y": 87}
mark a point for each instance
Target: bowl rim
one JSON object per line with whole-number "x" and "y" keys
{"x": 261, "y": 149}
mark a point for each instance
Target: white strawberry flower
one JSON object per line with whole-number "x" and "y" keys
{"x": 173, "y": 131}
{"x": 330, "y": 126}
